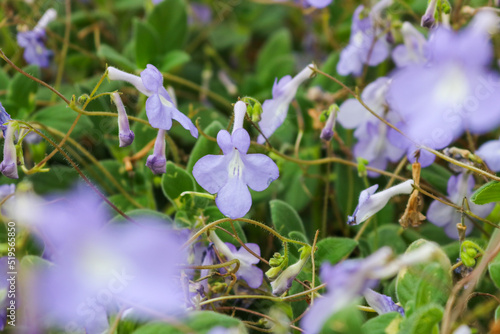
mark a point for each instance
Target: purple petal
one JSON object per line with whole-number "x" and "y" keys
{"x": 185, "y": 122}
{"x": 224, "y": 141}
{"x": 319, "y": 3}
{"x": 279, "y": 86}
{"x": 260, "y": 171}
{"x": 242, "y": 253}
{"x": 241, "y": 140}
{"x": 490, "y": 153}
{"x": 234, "y": 199}
{"x": 152, "y": 78}
{"x": 211, "y": 172}
{"x": 159, "y": 115}
{"x": 252, "y": 275}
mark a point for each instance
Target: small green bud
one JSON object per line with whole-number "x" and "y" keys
{"x": 323, "y": 116}
{"x": 218, "y": 287}
{"x": 362, "y": 163}
{"x": 273, "y": 272}
{"x": 257, "y": 112}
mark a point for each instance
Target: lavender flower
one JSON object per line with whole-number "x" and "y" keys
{"x": 381, "y": 303}
{"x": 4, "y": 118}
{"x": 452, "y": 92}
{"x": 247, "y": 271}
{"x": 160, "y": 108}
{"x": 319, "y": 3}
{"x": 4, "y": 287}
{"x": 157, "y": 162}
{"x": 98, "y": 269}
{"x": 490, "y": 153}
{"x": 33, "y": 41}
{"x": 124, "y": 133}
{"x": 284, "y": 281}
{"x": 428, "y": 18}
{"x": 370, "y": 203}
{"x": 200, "y": 13}
{"x": 329, "y": 128}
{"x": 275, "y": 110}
{"x": 229, "y": 175}
{"x": 445, "y": 216}
{"x": 8, "y": 166}
{"x": 414, "y": 49}
{"x": 366, "y": 45}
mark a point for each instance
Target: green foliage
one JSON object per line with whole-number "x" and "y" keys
{"x": 333, "y": 249}
{"x": 387, "y": 323}
{"x": 174, "y": 182}
{"x": 285, "y": 218}
{"x": 423, "y": 320}
{"x": 489, "y": 192}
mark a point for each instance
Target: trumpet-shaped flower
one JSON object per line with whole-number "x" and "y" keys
{"x": 32, "y": 41}
{"x": 247, "y": 271}
{"x": 275, "y": 110}
{"x": 447, "y": 217}
{"x": 370, "y": 203}
{"x": 490, "y": 153}
{"x": 125, "y": 135}
{"x": 8, "y": 166}
{"x": 367, "y": 45}
{"x": 157, "y": 162}
{"x": 381, "y": 303}
{"x": 229, "y": 175}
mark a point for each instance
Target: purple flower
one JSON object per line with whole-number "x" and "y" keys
{"x": 414, "y": 49}
{"x": 370, "y": 203}
{"x": 8, "y": 166}
{"x": 381, "y": 303}
{"x": 32, "y": 41}
{"x": 229, "y": 175}
{"x": 157, "y": 162}
{"x": 275, "y": 110}
{"x": 366, "y": 45}
{"x": 319, "y": 3}
{"x": 200, "y": 13}
{"x": 329, "y": 128}
{"x": 4, "y": 288}
{"x": 160, "y": 107}
{"x": 459, "y": 186}
{"x": 247, "y": 271}
{"x": 452, "y": 92}
{"x": 98, "y": 268}
{"x": 4, "y": 118}
{"x": 490, "y": 153}
{"x": 428, "y": 18}
{"x": 125, "y": 135}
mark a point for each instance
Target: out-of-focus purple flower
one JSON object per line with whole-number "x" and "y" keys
{"x": 381, "y": 303}
{"x": 414, "y": 49}
{"x": 125, "y": 135}
{"x": 370, "y": 203}
{"x": 155, "y": 2}
{"x": 8, "y": 166}
{"x": 200, "y": 13}
{"x": 452, "y": 92}
{"x": 4, "y": 118}
{"x": 490, "y": 153}
{"x": 367, "y": 45}
{"x": 100, "y": 268}
{"x": 319, "y": 3}
{"x": 428, "y": 18}
{"x": 275, "y": 110}
{"x": 459, "y": 186}
{"x": 229, "y": 175}
{"x": 160, "y": 108}
{"x": 157, "y": 162}
{"x": 4, "y": 288}
{"x": 7, "y": 190}
{"x": 247, "y": 271}
{"x": 32, "y": 41}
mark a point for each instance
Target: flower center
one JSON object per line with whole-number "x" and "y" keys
{"x": 235, "y": 168}
{"x": 166, "y": 102}
{"x": 452, "y": 87}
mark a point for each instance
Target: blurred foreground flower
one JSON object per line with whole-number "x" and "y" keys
{"x": 8, "y": 166}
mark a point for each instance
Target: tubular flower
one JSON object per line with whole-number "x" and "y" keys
{"x": 8, "y": 166}
{"x": 125, "y": 135}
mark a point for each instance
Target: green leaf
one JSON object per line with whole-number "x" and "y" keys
{"x": 387, "y": 323}
{"x": 333, "y": 250}
{"x": 423, "y": 320}
{"x": 387, "y": 235}
{"x": 173, "y": 59}
{"x": 490, "y": 192}
{"x": 141, "y": 213}
{"x": 497, "y": 313}
{"x": 146, "y": 43}
{"x": 204, "y": 146}
{"x": 59, "y": 177}
{"x": 296, "y": 235}
{"x": 61, "y": 117}
{"x": 436, "y": 175}
{"x": 115, "y": 58}
{"x": 418, "y": 285}
{"x": 174, "y": 182}
{"x": 345, "y": 321}
{"x": 348, "y": 186}
{"x": 329, "y": 66}
{"x": 22, "y": 89}
{"x": 279, "y": 44}
{"x": 169, "y": 19}
{"x": 285, "y": 218}
{"x": 4, "y": 80}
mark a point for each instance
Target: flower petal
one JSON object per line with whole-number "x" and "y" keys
{"x": 224, "y": 142}
{"x": 159, "y": 115}
{"x": 252, "y": 275}
{"x": 441, "y": 214}
{"x": 152, "y": 78}
{"x": 241, "y": 140}
{"x": 260, "y": 171}
{"x": 185, "y": 122}
{"x": 246, "y": 256}
{"x": 234, "y": 199}
{"x": 211, "y": 172}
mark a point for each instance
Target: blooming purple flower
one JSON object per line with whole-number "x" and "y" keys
{"x": 381, "y": 303}
{"x": 157, "y": 162}
{"x": 490, "y": 153}
{"x": 370, "y": 203}
{"x": 366, "y": 45}
{"x": 160, "y": 108}
{"x": 459, "y": 186}
{"x": 4, "y": 118}
{"x": 8, "y": 166}
{"x": 452, "y": 92}
{"x": 247, "y": 271}
{"x": 229, "y": 175}
{"x": 319, "y": 3}
{"x": 274, "y": 111}
{"x": 414, "y": 49}
{"x": 125, "y": 135}
{"x": 32, "y": 41}
{"x": 98, "y": 268}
